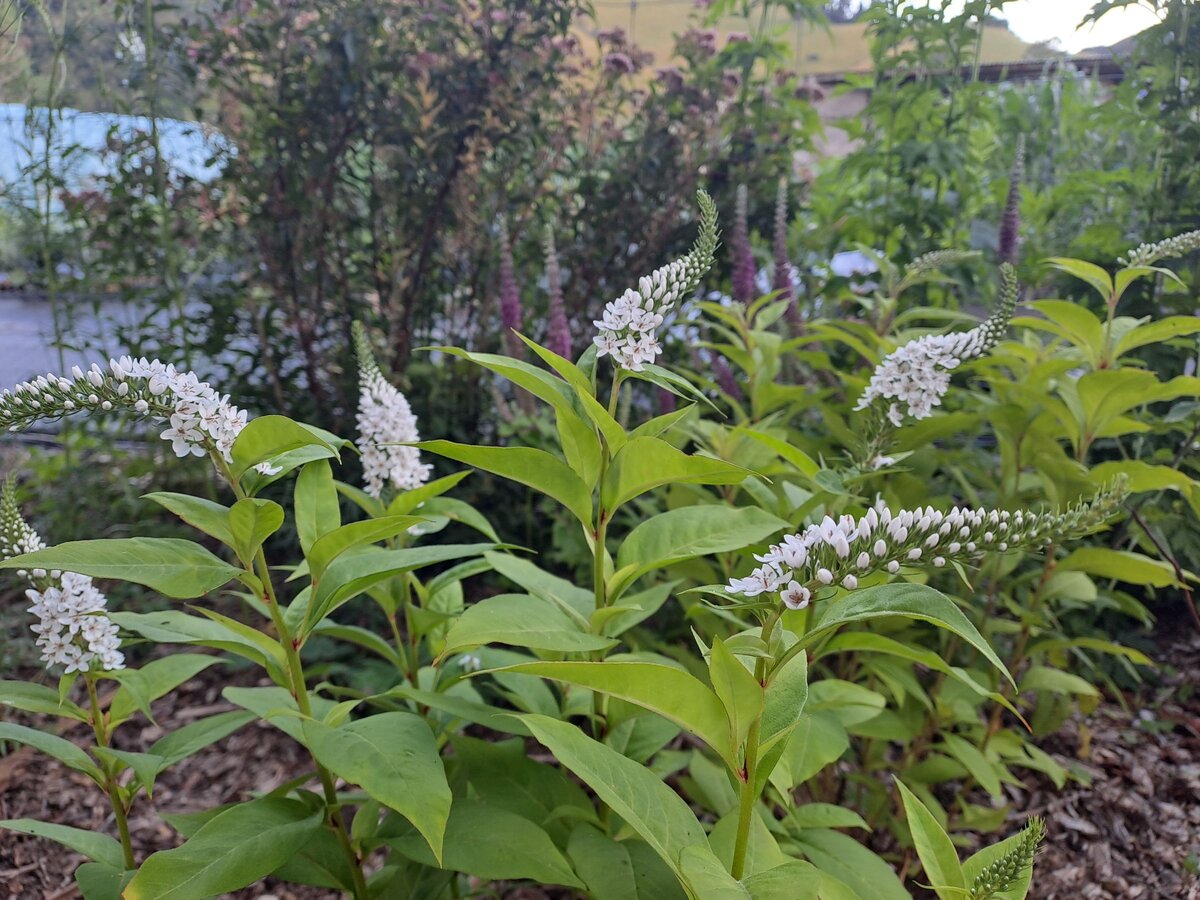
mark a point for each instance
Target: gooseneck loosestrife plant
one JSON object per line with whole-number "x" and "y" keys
{"x": 402, "y": 785}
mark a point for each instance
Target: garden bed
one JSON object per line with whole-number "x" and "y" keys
{"x": 1132, "y": 833}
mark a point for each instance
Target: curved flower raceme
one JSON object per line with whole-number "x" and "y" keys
{"x": 841, "y": 551}
{"x": 1149, "y": 254}
{"x": 915, "y": 377}
{"x": 626, "y": 331}
{"x": 72, "y": 628}
{"x": 199, "y": 418}
{"x": 385, "y": 424}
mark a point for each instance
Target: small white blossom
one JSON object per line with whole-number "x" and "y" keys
{"x": 199, "y": 418}
{"x": 385, "y": 424}
{"x": 913, "y": 378}
{"x": 70, "y": 623}
{"x": 839, "y": 552}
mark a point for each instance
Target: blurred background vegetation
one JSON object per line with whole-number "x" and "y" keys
{"x": 229, "y": 184}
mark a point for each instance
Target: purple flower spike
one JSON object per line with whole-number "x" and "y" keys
{"x": 511, "y": 317}
{"x": 782, "y": 280}
{"x": 743, "y": 259}
{"x": 558, "y": 330}
{"x": 1010, "y": 223}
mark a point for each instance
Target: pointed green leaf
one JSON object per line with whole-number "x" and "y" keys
{"x": 937, "y": 853}
{"x": 92, "y": 844}
{"x": 534, "y": 468}
{"x": 646, "y": 463}
{"x": 740, "y": 694}
{"x": 521, "y": 620}
{"x": 175, "y": 568}
{"x": 630, "y": 790}
{"x": 913, "y": 601}
{"x": 394, "y": 758}
{"x": 233, "y": 849}
{"x": 668, "y": 691}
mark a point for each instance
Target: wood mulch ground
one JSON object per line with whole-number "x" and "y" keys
{"x": 1134, "y": 832}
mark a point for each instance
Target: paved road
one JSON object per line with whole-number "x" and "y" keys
{"x": 26, "y": 338}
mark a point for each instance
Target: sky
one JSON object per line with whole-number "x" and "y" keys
{"x": 1042, "y": 20}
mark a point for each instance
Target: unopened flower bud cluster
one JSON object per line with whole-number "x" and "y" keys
{"x": 1148, "y": 254}
{"x": 72, "y": 629}
{"x": 627, "y": 329}
{"x": 385, "y": 423}
{"x": 842, "y": 551}
{"x": 914, "y": 378}
{"x": 198, "y": 418}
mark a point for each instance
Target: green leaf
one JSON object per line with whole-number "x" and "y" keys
{"x": 787, "y": 692}
{"x": 494, "y": 844}
{"x": 630, "y": 790}
{"x": 981, "y": 769}
{"x": 175, "y": 568}
{"x": 936, "y": 851}
{"x": 1085, "y": 271}
{"x": 1156, "y": 332}
{"x": 315, "y": 503}
{"x": 92, "y": 844}
{"x": 408, "y": 501}
{"x": 646, "y": 463}
{"x": 1043, "y": 678}
{"x": 1123, "y": 565}
{"x": 864, "y": 872}
{"x": 139, "y": 687}
{"x": 204, "y": 515}
{"x": 804, "y": 463}
{"x": 174, "y": 627}
{"x": 59, "y": 748}
{"x": 394, "y": 758}
{"x": 183, "y": 742}
{"x": 98, "y": 881}
{"x": 252, "y": 521}
{"x": 913, "y": 601}
{"x": 37, "y": 698}
{"x": 521, "y": 621}
{"x": 354, "y": 573}
{"x": 740, "y": 694}
{"x": 534, "y": 468}
{"x": 707, "y": 879}
{"x": 670, "y": 692}
{"x": 581, "y": 384}
{"x": 332, "y": 544}
{"x": 1072, "y": 322}
{"x": 797, "y": 880}
{"x": 538, "y": 581}
{"x": 267, "y": 437}
{"x": 620, "y": 870}
{"x": 692, "y": 531}
{"x": 234, "y": 848}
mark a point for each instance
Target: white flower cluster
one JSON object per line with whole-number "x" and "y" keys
{"x": 627, "y": 328}
{"x": 916, "y": 376}
{"x": 199, "y": 418}
{"x": 385, "y": 424}
{"x": 1148, "y": 254}
{"x": 842, "y": 551}
{"x": 72, "y": 629}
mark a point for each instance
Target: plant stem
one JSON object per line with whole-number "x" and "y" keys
{"x": 748, "y": 777}
{"x": 749, "y": 774}
{"x": 299, "y": 690}
{"x": 100, "y": 727}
